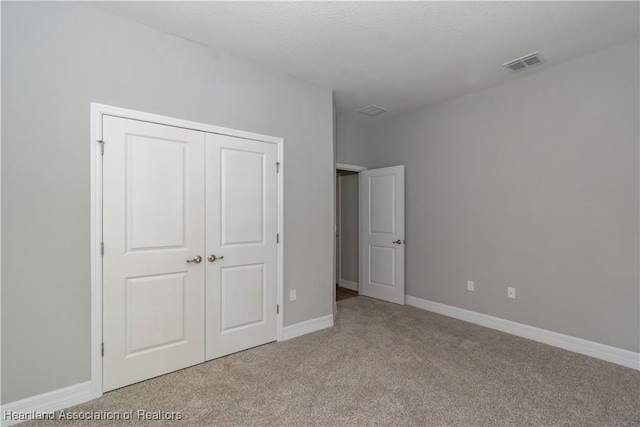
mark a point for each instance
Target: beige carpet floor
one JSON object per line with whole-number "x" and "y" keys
{"x": 384, "y": 364}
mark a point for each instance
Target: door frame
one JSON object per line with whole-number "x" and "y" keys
{"x": 337, "y": 195}
{"x": 96, "y": 145}
{"x": 337, "y": 234}
{"x": 350, "y": 168}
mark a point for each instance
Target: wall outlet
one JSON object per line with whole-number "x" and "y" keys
{"x": 470, "y": 285}
{"x": 511, "y": 293}
{"x": 292, "y": 295}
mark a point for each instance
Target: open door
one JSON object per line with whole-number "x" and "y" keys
{"x": 382, "y": 233}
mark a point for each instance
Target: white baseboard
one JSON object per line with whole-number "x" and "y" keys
{"x": 577, "y": 345}
{"x": 308, "y": 326}
{"x": 349, "y": 285}
{"x": 46, "y": 403}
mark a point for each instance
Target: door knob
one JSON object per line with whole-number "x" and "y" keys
{"x": 196, "y": 260}
{"x": 212, "y": 258}
{"x": 397, "y": 242}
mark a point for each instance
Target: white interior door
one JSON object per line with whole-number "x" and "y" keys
{"x": 153, "y": 222}
{"x": 382, "y": 233}
{"x": 241, "y": 227}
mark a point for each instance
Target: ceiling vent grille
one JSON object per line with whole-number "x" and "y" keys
{"x": 372, "y": 110}
{"x": 524, "y": 62}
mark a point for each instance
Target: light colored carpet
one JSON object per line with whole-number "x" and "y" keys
{"x": 385, "y": 364}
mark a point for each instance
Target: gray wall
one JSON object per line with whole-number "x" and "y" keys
{"x": 349, "y": 227}
{"x": 532, "y": 184}
{"x": 58, "y": 57}
{"x": 353, "y": 141}
{"x": 352, "y": 149}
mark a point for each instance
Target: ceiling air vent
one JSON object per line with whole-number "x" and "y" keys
{"x": 372, "y": 110}
{"x": 524, "y": 62}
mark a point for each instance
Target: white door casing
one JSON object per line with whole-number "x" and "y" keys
{"x": 382, "y": 233}
{"x": 338, "y": 229}
{"x": 241, "y": 230}
{"x": 153, "y": 222}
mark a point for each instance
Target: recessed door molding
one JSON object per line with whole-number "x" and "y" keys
{"x": 96, "y": 147}
{"x": 350, "y": 168}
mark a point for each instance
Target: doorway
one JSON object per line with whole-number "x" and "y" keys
{"x": 370, "y": 241}
{"x": 347, "y": 231}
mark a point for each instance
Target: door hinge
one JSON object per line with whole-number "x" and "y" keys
{"x": 101, "y": 147}
{"x": 277, "y": 308}
{"x": 277, "y": 167}
{"x": 102, "y": 349}
{"x": 102, "y": 248}
{"x": 278, "y": 238}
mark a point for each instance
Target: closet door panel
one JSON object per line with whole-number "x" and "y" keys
{"x": 153, "y": 222}
{"x": 241, "y": 224}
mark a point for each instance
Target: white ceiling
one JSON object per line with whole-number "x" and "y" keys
{"x": 400, "y": 55}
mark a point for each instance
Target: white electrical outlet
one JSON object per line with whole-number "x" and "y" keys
{"x": 470, "y": 285}
{"x": 511, "y": 293}
{"x": 292, "y": 295}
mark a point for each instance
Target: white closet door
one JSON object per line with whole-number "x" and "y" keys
{"x": 241, "y": 227}
{"x": 382, "y": 233}
{"x": 153, "y": 299}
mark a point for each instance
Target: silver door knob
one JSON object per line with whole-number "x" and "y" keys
{"x": 196, "y": 259}
{"x": 212, "y": 258}
{"x": 397, "y": 242}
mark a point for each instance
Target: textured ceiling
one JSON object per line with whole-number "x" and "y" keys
{"x": 400, "y": 55}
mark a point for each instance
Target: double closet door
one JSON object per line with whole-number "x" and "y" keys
{"x": 189, "y": 264}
